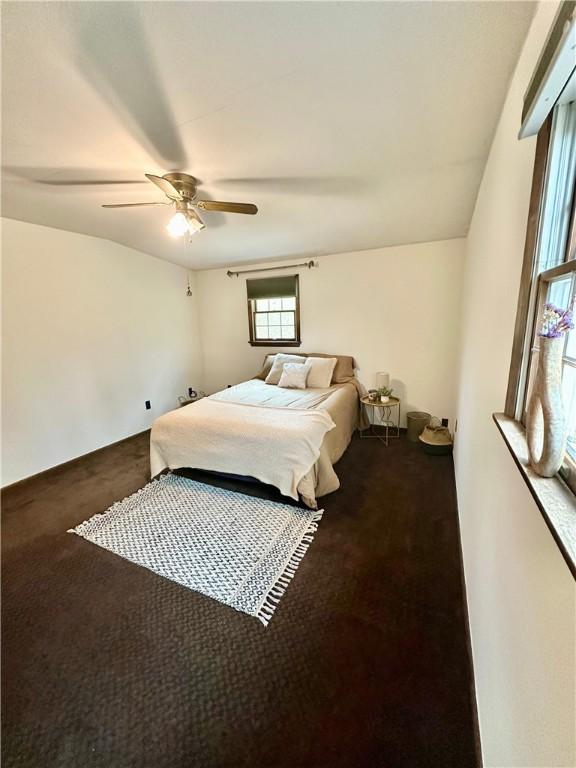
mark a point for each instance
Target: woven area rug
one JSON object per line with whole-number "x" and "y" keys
{"x": 240, "y": 550}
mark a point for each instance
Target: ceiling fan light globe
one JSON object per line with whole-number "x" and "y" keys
{"x": 178, "y": 225}
{"x": 195, "y": 225}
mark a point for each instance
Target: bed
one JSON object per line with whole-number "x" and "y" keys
{"x": 245, "y": 430}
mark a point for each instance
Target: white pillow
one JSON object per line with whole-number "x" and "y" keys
{"x": 321, "y": 370}
{"x": 276, "y": 370}
{"x": 294, "y": 376}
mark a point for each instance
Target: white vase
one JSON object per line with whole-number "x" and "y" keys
{"x": 545, "y": 421}
{"x": 384, "y": 398}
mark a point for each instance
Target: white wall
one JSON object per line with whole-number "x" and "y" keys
{"x": 393, "y": 309}
{"x": 520, "y": 592}
{"x": 91, "y": 329}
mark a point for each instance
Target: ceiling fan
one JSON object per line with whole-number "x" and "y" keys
{"x": 181, "y": 191}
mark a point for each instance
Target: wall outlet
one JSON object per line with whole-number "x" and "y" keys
{"x": 444, "y": 422}
{"x": 147, "y": 404}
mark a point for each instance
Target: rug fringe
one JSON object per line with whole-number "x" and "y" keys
{"x": 276, "y": 592}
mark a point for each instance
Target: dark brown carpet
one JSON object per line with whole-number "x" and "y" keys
{"x": 364, "y": 664}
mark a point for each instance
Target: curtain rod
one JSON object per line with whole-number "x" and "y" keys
{"x": 309, "y": 264}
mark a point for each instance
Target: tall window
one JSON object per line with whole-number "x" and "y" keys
{"x": 551, "y": 275}
{"x": 274, "y": 311}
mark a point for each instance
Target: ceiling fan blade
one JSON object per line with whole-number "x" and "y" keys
{"x": 80, "y": 183}
{"x": 112, "y": 52}
{"x": 216, "y": 205}
{"x": 307, "y": 185}
{"x": 131, "y": 205}
{"x": 166, "y": 187}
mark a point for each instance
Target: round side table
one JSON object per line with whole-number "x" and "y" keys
{"x": 382, "y": 417}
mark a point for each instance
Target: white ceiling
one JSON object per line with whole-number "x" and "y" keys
{"x": 350, "y": 124}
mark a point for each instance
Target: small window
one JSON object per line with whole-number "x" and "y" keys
{"x": 274, "y": 312}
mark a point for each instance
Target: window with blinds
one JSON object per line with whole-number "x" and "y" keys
{"x": 274, "y": 311}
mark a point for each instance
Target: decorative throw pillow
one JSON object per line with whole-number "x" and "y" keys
{"x": 276, "y": 370}
{"x": 344, "y": 369}
{"x": 321, "y": 369}
{"x": 294, "y": 376}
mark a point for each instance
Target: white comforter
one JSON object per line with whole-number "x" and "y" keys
{"x": 253, "y": 429}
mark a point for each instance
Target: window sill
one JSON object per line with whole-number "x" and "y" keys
{"x": 277, "y": 343}
{"x": 552, "y": 496}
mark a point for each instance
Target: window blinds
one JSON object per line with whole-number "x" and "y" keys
{"x": 272, "y": 287}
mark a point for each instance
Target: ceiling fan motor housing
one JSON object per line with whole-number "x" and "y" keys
{"x": 184, "y": 183}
